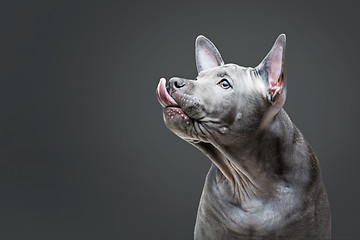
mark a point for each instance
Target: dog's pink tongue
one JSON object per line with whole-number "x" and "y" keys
{"x": 163, "y": 96}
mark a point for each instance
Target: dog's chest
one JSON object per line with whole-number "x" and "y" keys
{"x": 258, "y": 217}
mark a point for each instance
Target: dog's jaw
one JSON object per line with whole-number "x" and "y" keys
{"x": 176, "y": 119}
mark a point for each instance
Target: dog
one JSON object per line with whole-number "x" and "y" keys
{"x": 264, "y": 181}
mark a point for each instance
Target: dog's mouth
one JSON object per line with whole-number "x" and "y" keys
{"x": 163, "y": 96}
{"x": 172, "y": 110}
{"x": 176, "y": 119}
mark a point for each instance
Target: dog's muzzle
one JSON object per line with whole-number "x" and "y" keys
{"x": 163, "y": 96}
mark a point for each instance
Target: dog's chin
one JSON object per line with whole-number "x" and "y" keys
{"x": 175, "y": 117}
{"x": 177, "y": 121}
{"x": 182, "y": 125}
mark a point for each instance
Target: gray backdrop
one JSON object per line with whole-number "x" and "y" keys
{"x": 84, "y": 153}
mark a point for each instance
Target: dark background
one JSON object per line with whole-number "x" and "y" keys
{"x": 84, "y": 153}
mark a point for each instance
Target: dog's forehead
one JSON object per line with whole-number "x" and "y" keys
{"x": 227, "y": 69}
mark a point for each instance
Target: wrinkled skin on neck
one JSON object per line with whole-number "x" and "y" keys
{"x": 228, "y": 133}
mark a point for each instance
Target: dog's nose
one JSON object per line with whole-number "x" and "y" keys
{"x": 176, "y": 82}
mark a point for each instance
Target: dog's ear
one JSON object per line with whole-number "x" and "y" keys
{"x": 206, "y": 54}
{"x": 273, "y": 72}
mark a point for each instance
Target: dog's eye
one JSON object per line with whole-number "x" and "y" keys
{"x": 224, "y": 84}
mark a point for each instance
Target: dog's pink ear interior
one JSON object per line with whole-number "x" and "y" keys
{"x": 206, "y": 54}
{"x": 272, "y": 69}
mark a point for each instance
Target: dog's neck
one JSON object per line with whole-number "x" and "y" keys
{"x": 251, "y": 172}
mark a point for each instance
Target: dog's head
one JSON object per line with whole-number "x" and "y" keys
{"x": 225, "y": 102}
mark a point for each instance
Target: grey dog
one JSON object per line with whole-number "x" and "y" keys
{"x": 264, "y": 181}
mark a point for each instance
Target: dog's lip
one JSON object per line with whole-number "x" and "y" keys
{"x": 163, "y": 96}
